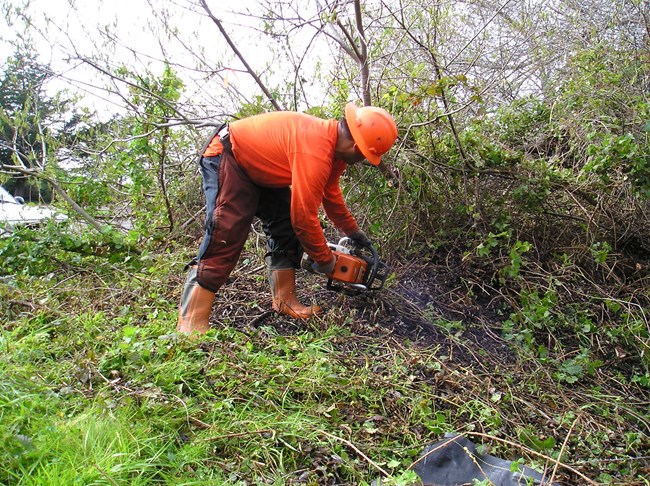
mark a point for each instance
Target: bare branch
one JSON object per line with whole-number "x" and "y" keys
{"x": 363, "y": 60}
{"x": 57, "y": 188}
{"x": 241, "y": 57}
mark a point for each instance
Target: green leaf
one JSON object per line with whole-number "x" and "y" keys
{"x": 393, "y": 463}
{"x": 575, "y": 369}
{"x": 129, "y": 331}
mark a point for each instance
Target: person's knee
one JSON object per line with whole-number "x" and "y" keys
{"x": 280, "y": 260}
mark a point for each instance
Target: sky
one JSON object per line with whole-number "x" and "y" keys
{"x": 63, "y": 30}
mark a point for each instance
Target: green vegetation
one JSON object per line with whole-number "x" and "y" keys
{"x": 516, "y": 223}
{"x": 95, "y": 387}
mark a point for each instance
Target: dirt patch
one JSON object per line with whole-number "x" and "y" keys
{"x": 427, "y": 305}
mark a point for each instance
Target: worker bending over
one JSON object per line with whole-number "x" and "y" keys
{"x": 280, "y": 167}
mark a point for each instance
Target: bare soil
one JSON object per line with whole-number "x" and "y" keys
{"x": 425, "y": 304}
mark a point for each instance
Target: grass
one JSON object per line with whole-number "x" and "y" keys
{"x": 96, "y": 388}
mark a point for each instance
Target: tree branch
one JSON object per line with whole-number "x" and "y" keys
{"x": 363, "y": 61}
{"x": 241, "y": 57}
{"x": 438, "y": 72}
{"x": 58, "y": 189}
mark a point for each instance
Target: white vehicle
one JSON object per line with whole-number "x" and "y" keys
{"x": 13, "y": 212}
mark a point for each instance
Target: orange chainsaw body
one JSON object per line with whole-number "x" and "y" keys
{"x": 349, "y": 268}
{"x": 357, "y": 268}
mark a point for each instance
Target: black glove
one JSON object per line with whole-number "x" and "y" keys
{"x": 360, "y": 238}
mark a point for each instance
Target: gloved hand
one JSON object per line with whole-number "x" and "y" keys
{"x": 307, "y": 263}
{"x": 326, "y": 268}
{"x": 360, "y": 238}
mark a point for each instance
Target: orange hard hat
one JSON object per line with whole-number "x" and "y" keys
{"x": 372, "y": 129}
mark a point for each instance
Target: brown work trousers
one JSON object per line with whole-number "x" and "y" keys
{"x": 232, "y": 201}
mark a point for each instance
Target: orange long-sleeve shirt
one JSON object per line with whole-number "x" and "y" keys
{"x": 283, "y": 149}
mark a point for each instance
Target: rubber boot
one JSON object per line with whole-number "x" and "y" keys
{"x": 196, "y": 306}
{"x": 283, "y": 287}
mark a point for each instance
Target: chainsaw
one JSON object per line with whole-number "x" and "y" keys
{"x": 358, "y": 268}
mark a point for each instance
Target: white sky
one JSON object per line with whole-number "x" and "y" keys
{"x": 59, "y": 29}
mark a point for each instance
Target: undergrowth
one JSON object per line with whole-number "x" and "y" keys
{"x": 96, "y": 388}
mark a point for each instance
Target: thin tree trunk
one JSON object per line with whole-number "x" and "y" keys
{"x": 161, "y": 178}
{"x": 363, "y": 57}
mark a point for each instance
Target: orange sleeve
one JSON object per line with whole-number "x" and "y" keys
{"x": 334, "y": 204}
{"x": 309, "y": 177}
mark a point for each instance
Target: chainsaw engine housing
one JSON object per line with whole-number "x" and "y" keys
{"x": 349, "y": 269}
{"x": 358, "y": 268}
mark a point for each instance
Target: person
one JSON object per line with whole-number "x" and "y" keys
{"x": 281, "y": 167}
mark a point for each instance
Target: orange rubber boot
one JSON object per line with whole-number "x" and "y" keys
{"x": 283, "y": 287}
{"x": 196, "y": 306}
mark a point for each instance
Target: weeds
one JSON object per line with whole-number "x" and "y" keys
{"x": 95, "y": 388}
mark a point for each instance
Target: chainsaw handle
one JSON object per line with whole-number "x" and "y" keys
{"x": 375, "y": 265}
{"x": 347, "y": 241}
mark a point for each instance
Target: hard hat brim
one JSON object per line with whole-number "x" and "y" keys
{"x": 353, "y": 125}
